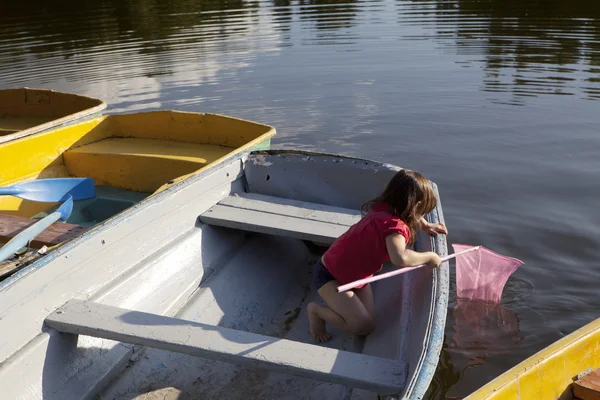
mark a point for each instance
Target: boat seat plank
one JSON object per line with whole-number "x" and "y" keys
{"x": 587, "y": 387}
{"x": 244, "y": 348}
{"x": 12, "y": 225}
{"x": 155, "y": 162}
{"x": 279, "y": 216}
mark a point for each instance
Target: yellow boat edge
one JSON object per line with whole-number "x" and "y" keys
{"x": 549, "y": 373}
{"x": 97, "y": 107}
{"x": 51, "y": 153}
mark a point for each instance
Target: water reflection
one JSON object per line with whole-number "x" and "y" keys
{"x": 524, "y": 48}
{"x": 401, "y": 81}
{"x": 527, "y": 48}
{"x": 283, "y": 12}
{"x": 75, "y": 25}
{"x": 482, "y": 330}
{"x": 477, "y": 332}
{"x": 329, "y": 14}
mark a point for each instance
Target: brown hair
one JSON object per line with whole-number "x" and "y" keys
{"x": 408, "y": 195}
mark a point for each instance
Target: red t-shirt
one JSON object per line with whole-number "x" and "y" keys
{"x": 361, "y": 251}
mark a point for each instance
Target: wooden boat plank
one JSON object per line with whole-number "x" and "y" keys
{"x": 293, "y": 208}
{"x": 11, "y": 266}
{"x": 229, "y": 345}
{"x": 281, "y": 216}
{"x": 263, "y": 222}
{"x": 12, "y": 225}
{"x": 587, "y": 387}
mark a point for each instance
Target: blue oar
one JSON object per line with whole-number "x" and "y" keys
{"x": 23, "y": 238}
{"x": 52, "y": 190}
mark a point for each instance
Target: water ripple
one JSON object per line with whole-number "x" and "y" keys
{"x": 493, "y": 99}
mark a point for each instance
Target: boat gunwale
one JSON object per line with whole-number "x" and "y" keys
{"x": 75, "y": 118}
{"x": 513, "y": 374}
{"x": 434, "y": 339}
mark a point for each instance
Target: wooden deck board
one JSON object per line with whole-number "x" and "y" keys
{"x": 11, "y": 226}
{"x": 278, "y": 216}
{"x": 293, "y": 208}
{"x": 229, "y": 345}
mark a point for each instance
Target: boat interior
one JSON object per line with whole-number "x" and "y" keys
{"x": 31, "y": 109}
{"x": 129, "y": 156}
{"x": 227, "y": 263}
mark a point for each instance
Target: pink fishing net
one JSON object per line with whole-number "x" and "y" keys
{"x": 482, "y": 329}
{"x": 482, "y": 274}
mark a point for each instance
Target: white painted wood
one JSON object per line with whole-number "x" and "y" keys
{"x": 77, "y": 271}
{"x": 251, "y": 292}
{"x": 292, "y": 208}
{"x": 316, "y": 177}
{"x": 92, "y": 363}
{"x": 209, "y": 341}
{"x": 160, "y": 284}
{"x": 258, "y": 221}
{"x": 140, "y": 260}
{"x": 279, "y": 216}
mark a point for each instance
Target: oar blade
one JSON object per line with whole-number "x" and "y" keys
{"x": 56, "y": 189}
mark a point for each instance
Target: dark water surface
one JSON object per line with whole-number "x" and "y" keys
{"x": 497, "y": 101}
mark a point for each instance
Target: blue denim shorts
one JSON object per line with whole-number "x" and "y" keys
{"x": 321, "y": 275}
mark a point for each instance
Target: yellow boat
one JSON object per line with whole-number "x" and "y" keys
{"x": 548, "y": 374}
{"x": 27, "y": 111}
{"x": 129, "y": 156}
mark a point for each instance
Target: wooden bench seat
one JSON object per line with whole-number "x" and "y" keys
{"x": 11, "y": 226}
{"x": 153, "y": 162}
{"x": 376, "y": 374}
{"x": 278, "y": 216}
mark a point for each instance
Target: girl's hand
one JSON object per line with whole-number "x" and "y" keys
{"x": 434, "y": 229}
{"x": 435, "y": 260}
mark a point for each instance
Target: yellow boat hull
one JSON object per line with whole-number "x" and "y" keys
{"x": 548, "y": 374}
{"x": 140, "y": 152}
{"x": 26, "y": 111}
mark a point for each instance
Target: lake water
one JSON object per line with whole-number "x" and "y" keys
{"x": 497, "y": 101}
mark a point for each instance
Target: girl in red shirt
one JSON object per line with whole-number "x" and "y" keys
{"x": 390, "y": 223}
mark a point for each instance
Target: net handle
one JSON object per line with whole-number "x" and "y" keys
{"x": 398, "y": 271}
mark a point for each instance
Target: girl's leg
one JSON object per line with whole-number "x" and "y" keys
{"x": 365, "y": 295}
{"x": 344, "y": 310}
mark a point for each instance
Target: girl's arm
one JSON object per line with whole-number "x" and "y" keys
{"x": 432, "y": 229}
{"x": 400, "y": 256}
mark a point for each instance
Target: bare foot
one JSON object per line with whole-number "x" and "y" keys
{"x": 317, "y": 324}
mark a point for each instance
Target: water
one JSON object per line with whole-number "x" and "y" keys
{"x": 496, "y": 101}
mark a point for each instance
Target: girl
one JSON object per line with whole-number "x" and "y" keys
{"x": 390, "y": 223}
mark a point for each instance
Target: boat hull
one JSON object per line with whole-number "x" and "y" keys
{"x": 548, "y": 374}
{"x": 162, "y": 259}
{"x": 129, "y": 156}
{"x": 26, "y": 111}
